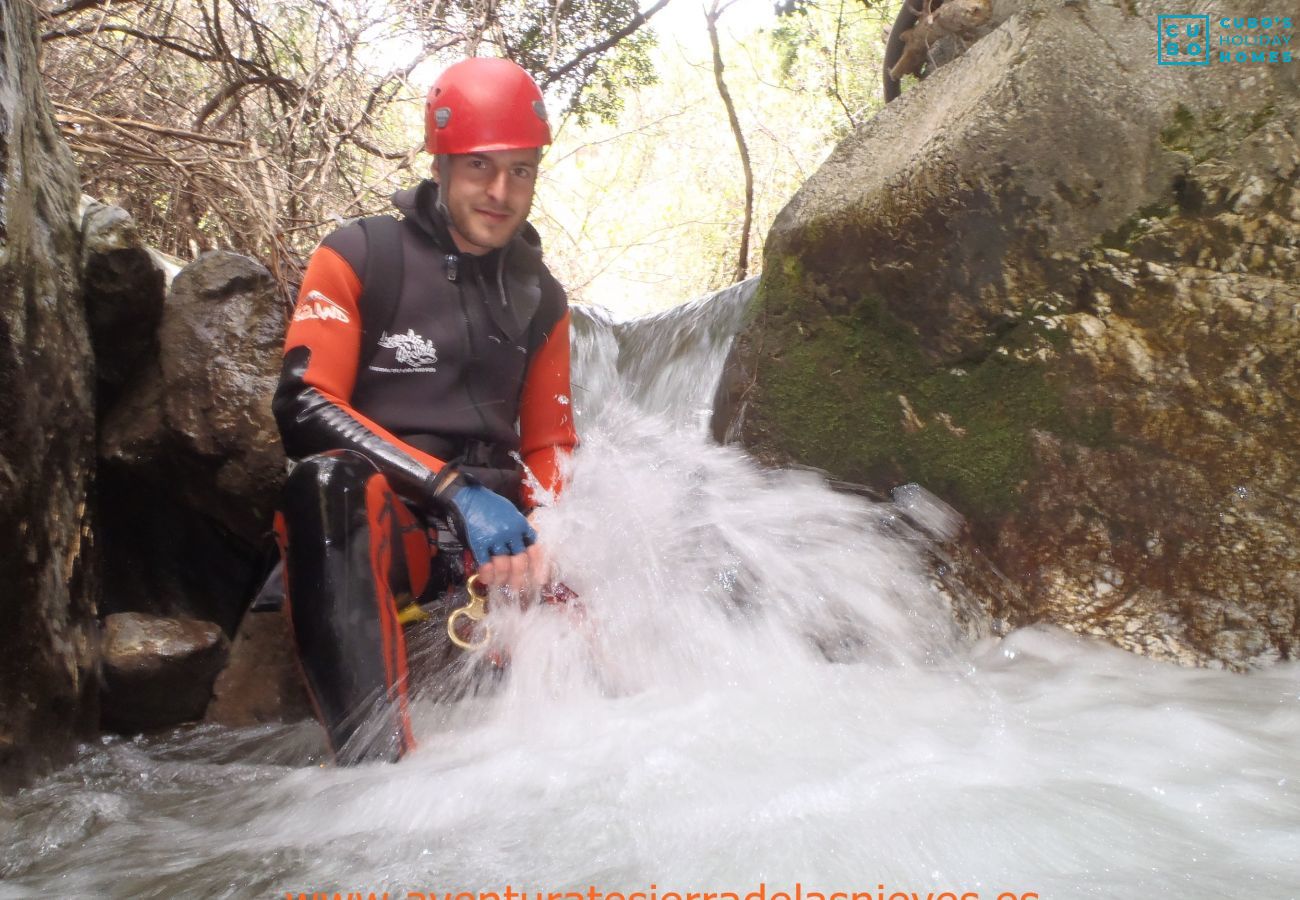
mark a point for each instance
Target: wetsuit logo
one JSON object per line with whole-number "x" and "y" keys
{"x": 317, "y": 306}
{"x": 411, "y": 350}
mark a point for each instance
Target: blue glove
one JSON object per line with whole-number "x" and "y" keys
{"x": 487, "y": 522}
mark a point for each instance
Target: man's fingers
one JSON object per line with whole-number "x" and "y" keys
{"x": 517, "y": 572}
{"x": 506, "y": 571}
{"x": 518, "y": 579}
{"x": 538, "y": 565}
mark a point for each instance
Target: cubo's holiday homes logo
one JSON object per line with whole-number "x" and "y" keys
{"x": 1245, "y": 39}
{"x": 1196, "y": 40}
{"x": 1183, "y": 40}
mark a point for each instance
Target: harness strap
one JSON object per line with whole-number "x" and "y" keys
{"x": 382, "y": 282}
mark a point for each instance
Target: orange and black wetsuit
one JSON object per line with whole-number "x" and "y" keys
{"x": 473, "y": 367}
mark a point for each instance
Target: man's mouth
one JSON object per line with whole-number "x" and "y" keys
{"x": 492, "y": 215}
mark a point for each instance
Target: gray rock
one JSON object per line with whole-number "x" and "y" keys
{"x": 125, "y": 287}
{"x": 222, "y": 339}
{"x": 158, "y": 671}
{"x": 1056, "y": 285}
{"x": 47, "y": 580}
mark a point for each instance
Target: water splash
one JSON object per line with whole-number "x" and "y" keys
{"x": 763, "y": 688}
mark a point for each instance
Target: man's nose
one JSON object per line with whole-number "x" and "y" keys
{"x": 498, "y": 185}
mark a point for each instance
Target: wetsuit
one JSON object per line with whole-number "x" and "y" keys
{"x": 472, "y": 368}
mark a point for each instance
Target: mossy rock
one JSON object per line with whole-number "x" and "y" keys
{"x": 1060, "y": 291}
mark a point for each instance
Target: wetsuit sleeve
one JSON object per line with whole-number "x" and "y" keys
{"x": 321, "y": 355}
{"x": 546, "y": 430}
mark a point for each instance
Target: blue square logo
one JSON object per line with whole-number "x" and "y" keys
{"x": 1183, "y": 40}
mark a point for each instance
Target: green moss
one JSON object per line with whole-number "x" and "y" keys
{"x": 830, "y": 398}
{"x": 1132, "y": 228}
{"x": 1179, "y": 133}
{"x": 1215, "y": 133}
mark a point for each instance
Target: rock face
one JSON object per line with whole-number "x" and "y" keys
{"x": 1056, "y": 285}
{"x": 221, "y": 340}
{"x": 125, "y": 287}
{"x": 261, "y": 683}
{"x": 190, "y": 456}
{"x": 158, "y": 671}
{"x": 47, "y": 628}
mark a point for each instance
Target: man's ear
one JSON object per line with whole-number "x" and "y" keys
{"x": 433, "y": 170}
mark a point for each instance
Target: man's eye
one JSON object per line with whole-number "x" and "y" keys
{"x": 524, "y": 172}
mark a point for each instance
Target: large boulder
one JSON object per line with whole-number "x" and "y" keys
{"x": 47, "y": 584}
{"x": 1056, "y": 284}
{"x": 190, "y": 456}
{"x": 222, "y": 338}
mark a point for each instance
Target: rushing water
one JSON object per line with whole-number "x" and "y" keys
{"x": 763, "y": 689}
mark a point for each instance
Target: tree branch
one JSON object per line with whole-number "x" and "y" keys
{"x": 742, "y": 257}
{"x": 76, "y": 6}
{"x": 553, "y": 75}
{"x": 230, "y": 91}
{"x": 85, "y": 115}
{"x": 87, "y": 30}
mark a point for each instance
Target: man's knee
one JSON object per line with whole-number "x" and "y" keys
{"x": 331, "y": 473}
{"x": 324, "y": 495}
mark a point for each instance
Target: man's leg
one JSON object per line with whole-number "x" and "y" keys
{"x": 345, "y": 538}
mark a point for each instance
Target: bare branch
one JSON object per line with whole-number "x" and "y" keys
{"x": 554, "y": 75}
{"x": 835, "y": 67}
{"x": 742, "y": 256}
{"x": 76, "y": 6}
{"x": 90, "y": 30}
{"x": 228, "y": 92}
{"x": 86, "y": 116}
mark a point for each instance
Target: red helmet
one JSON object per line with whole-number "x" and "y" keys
{"x": 482, "y": 104}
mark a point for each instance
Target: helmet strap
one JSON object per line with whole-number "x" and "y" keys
{"x": 443, "y": 163}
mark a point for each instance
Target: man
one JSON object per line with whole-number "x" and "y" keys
{"x": 404, "y": 424}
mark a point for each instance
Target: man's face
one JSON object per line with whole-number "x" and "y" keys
{"x": 489, "y": 196}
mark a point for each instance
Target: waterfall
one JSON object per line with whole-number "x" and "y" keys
{"x": 666, "y": 365}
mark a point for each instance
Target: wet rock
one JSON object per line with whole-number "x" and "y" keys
{"x": 47, "y": 581}
{"x": 262, "y": 682}
{"x": 1086, "y": 346}
{"x": 222, "y": 339}
{"x": 191, "y": 461}
{"x": 125, "y": 285}
{"x": 158, "y": 671}
{"x": 728, "y": 400}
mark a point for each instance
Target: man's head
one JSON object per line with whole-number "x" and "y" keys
{"x": 485, "y": 123}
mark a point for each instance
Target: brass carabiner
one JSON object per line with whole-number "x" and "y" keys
{"x": 475, "y": 610}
